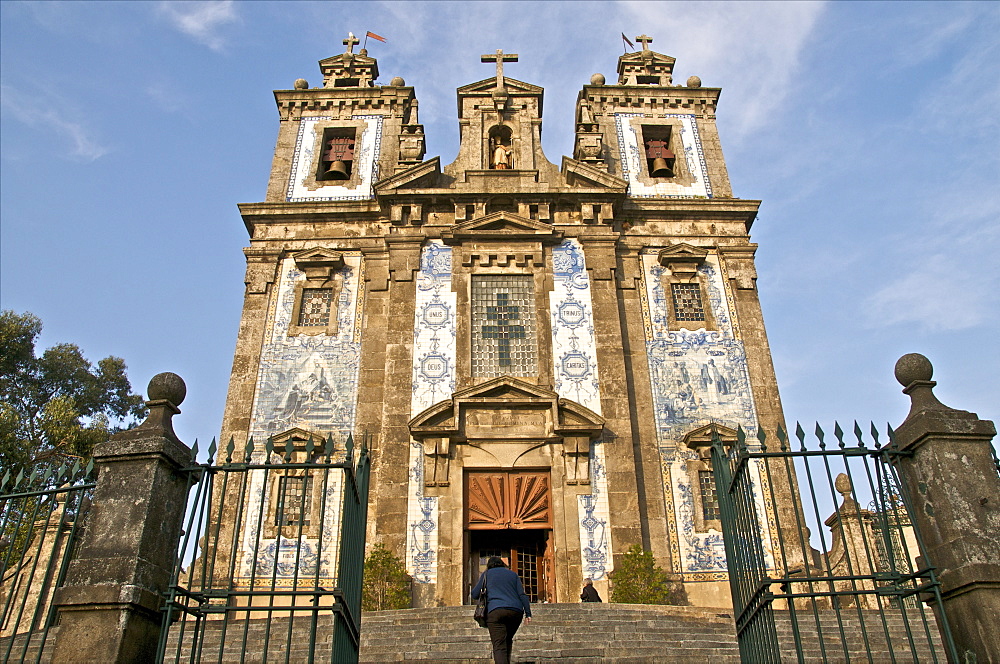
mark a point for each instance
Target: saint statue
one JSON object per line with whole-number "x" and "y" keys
{"x": 501, "y": 155}
{"x": 586, "y": 117}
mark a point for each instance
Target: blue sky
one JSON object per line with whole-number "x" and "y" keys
{"x": 131, "y": 130}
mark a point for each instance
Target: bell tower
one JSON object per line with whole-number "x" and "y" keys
{"x": 500, "y": 127}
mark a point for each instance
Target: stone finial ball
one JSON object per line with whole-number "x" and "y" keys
{"x": 694, "y": 82}
{"x": 167, "y": 386}
{"x": 597, "y": 79}
{"x": 301, "y": 84}
{"x": 397, "y": 82}
{"x": 912, "y": 367}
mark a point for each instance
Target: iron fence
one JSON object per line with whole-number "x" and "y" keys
{"x": 854, "y": 586}
{"x": 273, "y": 552}
{"x": 42, "y": 517}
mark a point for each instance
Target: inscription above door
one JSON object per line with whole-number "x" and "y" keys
{"x": 507, "y": 499}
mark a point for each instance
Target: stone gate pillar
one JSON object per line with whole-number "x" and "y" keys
{"x": 109, "y": 608}
{"x": 948, "y": 469}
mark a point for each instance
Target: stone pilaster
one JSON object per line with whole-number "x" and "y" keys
{"x": 948, "y": 469}
{"x": 391, "y": 449}
{"x": 109, "y": 608}
{"x": 648, "y": 475}
{"x": 623, "y": 499}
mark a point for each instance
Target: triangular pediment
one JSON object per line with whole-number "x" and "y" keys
{"x": 681, "y": 252}
{"x": 420, "y": 175}
{"x": 646, "y": 57}
{"x": 505, "y": 226}
{"x": 511, "y": 84}
{"x": 505, "y": 387}
{"x": 318, "y": 257}
{"x": 704, "y": 435}
{"x": 355, "y": 58}
{"x": 297, "y": 435}
{"x": 568, "y": 417}
{"x": 579, "y": 174}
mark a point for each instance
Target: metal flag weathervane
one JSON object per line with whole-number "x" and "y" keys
{"x": 373, "y": 36}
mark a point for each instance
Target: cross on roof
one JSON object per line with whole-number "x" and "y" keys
{"x": 350, "y": 42}
{"x": 646, "y": 41}
{"x": 500, "y": 57}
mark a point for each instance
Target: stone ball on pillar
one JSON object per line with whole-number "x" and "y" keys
{"x": 694, "y": 82}
{"x": 913, "y": 367}
{"x": 301, "y": 84}
{"x": 397, "y": 82}
{"x": 597, "y": 79}
{"x": 167, "y": 386}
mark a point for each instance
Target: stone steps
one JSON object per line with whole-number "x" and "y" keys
{"x": 579, "y": 633}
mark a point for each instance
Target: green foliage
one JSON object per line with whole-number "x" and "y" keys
{"x": 637, "y": 580}
{"x": 386, "y": 585}
{"x": 58, "y": 405}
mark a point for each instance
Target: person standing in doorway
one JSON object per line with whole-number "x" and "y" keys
{"x": 506, "y": 606}
{"x": 589, "y": 593}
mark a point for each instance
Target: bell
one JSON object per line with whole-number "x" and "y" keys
{"x": 337, "y": 171}
{"x": 661, "y": 169}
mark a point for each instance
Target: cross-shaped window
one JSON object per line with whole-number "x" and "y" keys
{"x": 503, "y": 326}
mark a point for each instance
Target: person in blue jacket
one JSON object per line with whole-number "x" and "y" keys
{"x": 506, "y": 606}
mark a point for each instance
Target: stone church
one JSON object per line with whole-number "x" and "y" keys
{"x": 539, "y": 352}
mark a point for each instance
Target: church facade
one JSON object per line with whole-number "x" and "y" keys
{"x": 539, "y": 353}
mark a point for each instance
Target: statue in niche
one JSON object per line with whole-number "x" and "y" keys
{"x": 502, "y": 157}
{"x": 586, "y": 117}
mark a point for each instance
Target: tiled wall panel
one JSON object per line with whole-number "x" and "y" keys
{"x": 574, "y": 356}
{"x": 433, "y": 381}
{"x": 698, "y": 377}
{"x": 632, "y": 156}
{"x": 309, "y": 382}
{"x": 304, "y": 163}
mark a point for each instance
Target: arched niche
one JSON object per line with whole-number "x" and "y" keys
{"x": 500, "y": 148}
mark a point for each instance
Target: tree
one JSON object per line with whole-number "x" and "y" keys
{"x": 638, "y": 580}
{"x": 386, "y": 585}
{"x": 56, "y": 406}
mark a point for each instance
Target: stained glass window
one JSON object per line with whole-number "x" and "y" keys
{"x": 503, "y": 326}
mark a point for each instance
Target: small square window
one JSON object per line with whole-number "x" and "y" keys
{"x": 294, "y": 500}
{"x": 688, "y": 305}
{"x": 314, "y": 310}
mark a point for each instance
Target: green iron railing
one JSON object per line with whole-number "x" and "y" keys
{"x": 41, "y": 516}
{"x": 270, "y": 567}
{"x": 859, "y": 596}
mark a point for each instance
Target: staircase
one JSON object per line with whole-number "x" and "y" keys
{"x": 577, "y": 633}
{"x": 584, "y": 633}
{"x": 631, "y": 634}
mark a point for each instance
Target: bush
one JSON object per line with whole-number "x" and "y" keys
{"x": 386, "y": 584}
{"x": 637, "y": 580}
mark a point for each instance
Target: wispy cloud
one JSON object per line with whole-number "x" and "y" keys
{"x": 201, "y": 20}
{"x": 936, "y": 295}
{"x": 40, "y": 111}
{"x": 754, "y": 48}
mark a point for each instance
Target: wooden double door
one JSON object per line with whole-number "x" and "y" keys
{"x": 508, "y": 513}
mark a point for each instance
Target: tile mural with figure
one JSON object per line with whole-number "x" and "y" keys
{"x": 698, "y": 376}
{"x": 309, "y": 382}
